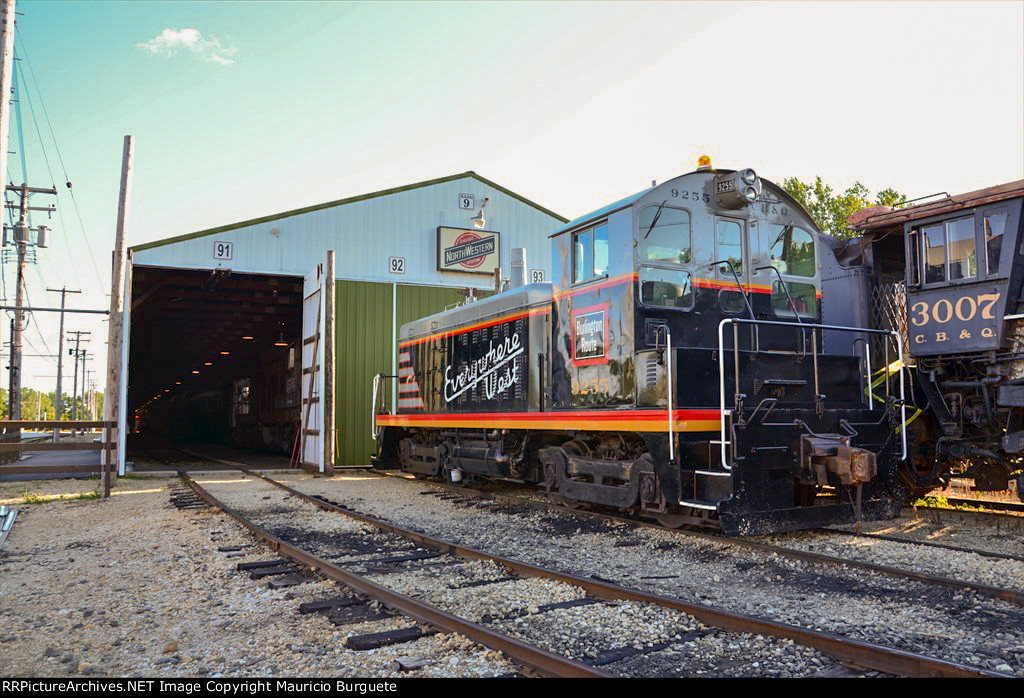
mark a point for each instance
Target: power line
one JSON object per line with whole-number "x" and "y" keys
{"x": 60, "y": 157}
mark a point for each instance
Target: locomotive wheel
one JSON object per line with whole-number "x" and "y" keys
{"x": 671, "y": 520}
{"x": 570, "y": 503}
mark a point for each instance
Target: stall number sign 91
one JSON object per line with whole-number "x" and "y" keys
{"x": 223, "y": 250}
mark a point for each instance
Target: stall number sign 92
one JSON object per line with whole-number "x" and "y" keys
{"x": 223, "y": 250}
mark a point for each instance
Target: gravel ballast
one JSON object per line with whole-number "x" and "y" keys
{"x": 554, "y": 615}
{"x": 956, "y": 626}
{"x": 131, "y": 586}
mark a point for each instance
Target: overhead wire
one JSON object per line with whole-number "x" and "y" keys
{"x": 60, "y": 157}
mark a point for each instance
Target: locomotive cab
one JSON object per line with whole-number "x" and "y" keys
{"x": 962, "y": 275}
{"x": 699, "y": 301}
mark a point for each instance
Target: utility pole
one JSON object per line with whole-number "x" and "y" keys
{"x": 22, "y": 240}
{"x": 21, "y": 230}
{"x": 60, "y": 356}
{"x": 115, "y": 335}
{"x": 74, "y": 392}
{"x": 6, "y": 75}
{"x": 85, "y": 394}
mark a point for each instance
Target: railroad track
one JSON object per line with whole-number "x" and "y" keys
{"x": 1011, "y": 595}
{"x": 593, "y": 595}
{"x": 979, "y": 506}
{"x": 925, "y": 544}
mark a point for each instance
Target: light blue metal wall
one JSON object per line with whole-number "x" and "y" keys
{"x": 367, "y": 232}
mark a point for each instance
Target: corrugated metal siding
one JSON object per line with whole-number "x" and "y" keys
{"x": 366, "y": 233}
{"x": 364, "y": 348}
{"x": 363, "y": 331}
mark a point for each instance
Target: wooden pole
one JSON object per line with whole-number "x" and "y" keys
{"x": 115, "y": 335}
{"x": 328, "y": 359}
{"x": 6, "y": 73}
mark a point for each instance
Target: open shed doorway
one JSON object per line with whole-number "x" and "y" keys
{"x": 214, "y": 362}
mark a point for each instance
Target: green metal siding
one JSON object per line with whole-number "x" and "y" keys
{"x": 364, "y": 348}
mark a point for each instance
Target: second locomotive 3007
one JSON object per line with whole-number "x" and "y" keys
{"x": 679, "y": 367}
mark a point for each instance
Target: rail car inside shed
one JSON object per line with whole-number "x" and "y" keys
{"x": 214, "y": 359}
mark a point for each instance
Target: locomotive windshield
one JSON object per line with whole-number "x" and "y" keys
{"x": 668, "y": 239}
{"x": 792, "y": 254}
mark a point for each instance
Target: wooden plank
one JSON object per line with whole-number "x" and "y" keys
{"x": 309, "y": 340}
{"x": 327, "y": 410}
{"x": 18, "y": 446}
{"x": 262, "y": 572}
{"x": 290, "y": 580}
{"x": 48, "y": 470}
{"x": 243, "y": 566}
{"x": 392, "y": 637}
{"x": 52, "y": 424}
{"x": 328, "y": 604}
{"x": 362, "y": 613}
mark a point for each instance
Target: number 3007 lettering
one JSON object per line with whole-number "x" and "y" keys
{"x": 965, "y": 308}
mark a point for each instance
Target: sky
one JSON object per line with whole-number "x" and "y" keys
{"x": 242, "y": 109}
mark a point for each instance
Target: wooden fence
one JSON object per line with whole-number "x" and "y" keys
{"x": 11, "y": 444}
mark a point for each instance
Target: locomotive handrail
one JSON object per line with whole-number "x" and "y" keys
{"x": 870, "y": 389}
{"x": 373, "y": 403}
{"x": 799, "y": 326}
{"x": 782, "y": 283}
{"x": 739, "y": 285}
{"x": 671, "y": 434}
{"x": 373, "y": 406}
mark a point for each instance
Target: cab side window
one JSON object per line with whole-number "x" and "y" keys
{"x": 949, "y": 252}
{"x": 995, "y": 228}
{"x": 590, "y": 253}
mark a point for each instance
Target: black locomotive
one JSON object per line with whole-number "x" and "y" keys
{"x": 947, "y": 275}
{"x": 679, "y": 367}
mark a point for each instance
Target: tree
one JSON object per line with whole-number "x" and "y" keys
{"x": 832, "y": 210}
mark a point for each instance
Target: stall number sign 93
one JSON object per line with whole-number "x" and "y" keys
{"x": 223, "y": 250}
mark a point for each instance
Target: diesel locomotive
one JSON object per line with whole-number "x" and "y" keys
{"x": 683, "y": 365}
{"x": 947, "y": 274}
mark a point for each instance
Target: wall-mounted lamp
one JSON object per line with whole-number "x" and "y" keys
{"x": 478, "y": 220}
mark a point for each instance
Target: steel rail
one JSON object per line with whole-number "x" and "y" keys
{"x": 543, "y": 661}
{"x": 864, "y": 654}
{"x": 991, "y": 507}
{"x": 927, "y": 544}
{"x": 1008, "y": 595}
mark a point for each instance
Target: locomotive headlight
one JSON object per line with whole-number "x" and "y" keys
{"x": 737, "y": 189}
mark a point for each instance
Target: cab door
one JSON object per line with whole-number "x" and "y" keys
{"x": 732, "y": 249}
